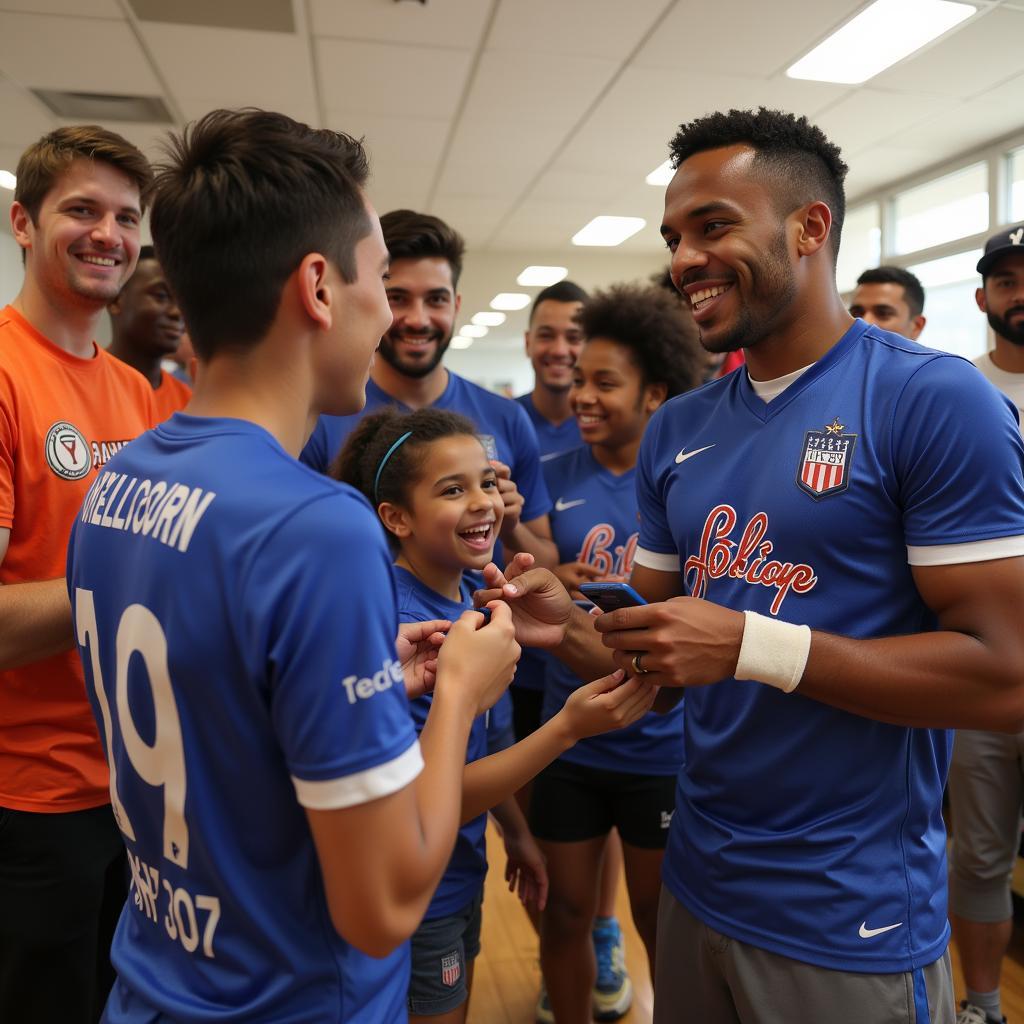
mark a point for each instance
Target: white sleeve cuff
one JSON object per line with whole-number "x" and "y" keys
{"x": 361, "y": 787}
{"x": 972, "y": 551}
{"x": 656, "y": 560}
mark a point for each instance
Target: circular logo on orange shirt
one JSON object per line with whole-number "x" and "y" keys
{"x": 67, "y": 451}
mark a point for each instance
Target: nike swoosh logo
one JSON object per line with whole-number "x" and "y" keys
{"x": 561, "y": 505}
{"x": 869, "y": 933}
{"x": 684, "y": 454}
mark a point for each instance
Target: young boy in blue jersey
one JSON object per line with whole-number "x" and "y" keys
{"x": 437, "y": 495}
{"x": 641, "y": 349}
{"x": 236, "y": 614}
{"x": 831, "y": 543}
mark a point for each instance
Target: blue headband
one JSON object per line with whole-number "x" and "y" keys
{"x": 387, "y": 455}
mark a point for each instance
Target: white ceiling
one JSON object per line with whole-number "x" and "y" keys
{"x": 516, "y": 120}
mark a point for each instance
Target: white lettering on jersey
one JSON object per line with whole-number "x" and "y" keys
{"x": 720, "y": 556}
{"x": 364, "y": 688}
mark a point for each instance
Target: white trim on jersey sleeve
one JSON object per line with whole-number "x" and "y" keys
{"x": 972, "y": 551}
{"x": 656, "y": 560}
{"x": 361, "y": 787}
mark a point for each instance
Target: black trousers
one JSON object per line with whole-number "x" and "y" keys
{"x": 63, "y": 882}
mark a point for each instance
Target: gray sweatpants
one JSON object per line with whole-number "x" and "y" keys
{"x": 704, "y": 977}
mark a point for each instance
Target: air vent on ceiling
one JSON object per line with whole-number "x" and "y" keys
{"x": 98, "y": 106}
{"x": 257, "y": 15}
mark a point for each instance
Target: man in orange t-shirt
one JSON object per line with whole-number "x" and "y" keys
{"x": 148, "y": 326}
{"x": 66, "y": 407}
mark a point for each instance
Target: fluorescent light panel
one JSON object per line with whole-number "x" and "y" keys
{"x": 473, "y": 331}
{"x": 608, "y": 230}
{"x": 538, "y": 276}
{"x": 661, "y": 175}
{"x": 515, "y": 300}
{"x": 877, "y": 38}
{"x": 7, "y": 180}
{"x": 460, "y": 341}
{"x": 488, "y": 319}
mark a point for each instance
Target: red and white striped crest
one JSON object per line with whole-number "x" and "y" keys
{"x": 451, "y": 969}
{"x": 827, "y": 461}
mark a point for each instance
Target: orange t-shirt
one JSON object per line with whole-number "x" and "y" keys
{"x": 61, "y": 418}
{"x": 172, "y": 395}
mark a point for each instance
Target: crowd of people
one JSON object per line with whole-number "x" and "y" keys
{"x": 284, "y": 621}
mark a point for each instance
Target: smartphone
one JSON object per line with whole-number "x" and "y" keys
{"x": 486, "y": 613}
{"x": 609, "y": 596}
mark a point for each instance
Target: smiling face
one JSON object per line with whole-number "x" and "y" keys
{"x": 146, "y": 314}
{"x": 553, "y": 343}
{"x": 83, "y": 246}
{"x": 609, "y": 399}
{"x": 730, "y": 249}
{"x": 453, "y": 512}
{"x": 424, "y": 305}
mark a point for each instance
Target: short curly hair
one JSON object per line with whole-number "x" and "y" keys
{"x": 652, "y": 324}
{"x": 795, "y": 155}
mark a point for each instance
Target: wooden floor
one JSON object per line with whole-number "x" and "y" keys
{"x": 508, "y": 976}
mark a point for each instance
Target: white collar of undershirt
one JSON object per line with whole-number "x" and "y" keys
{"x": 767, "y": 390}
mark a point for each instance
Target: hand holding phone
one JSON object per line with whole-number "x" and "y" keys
{"x": 610, "y": 596}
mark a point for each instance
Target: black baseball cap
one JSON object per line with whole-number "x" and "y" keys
{"x": 1008, "y": 240}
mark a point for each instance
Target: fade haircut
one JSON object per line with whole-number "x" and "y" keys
{"x": 244, "y": 197}
{"x": 46, "y": 160}
{"x": 802, "y": 165}
{"x": 913, "y": 291}
{"x": 660, "y": 335}
{"x": 560, "y": 291}
{"x": 415, "y": 236}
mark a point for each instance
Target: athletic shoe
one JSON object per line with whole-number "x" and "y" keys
{"x": 544, "y": 1014}
{"x": 613, "y": 991}
{"x": 971, "y": 1014}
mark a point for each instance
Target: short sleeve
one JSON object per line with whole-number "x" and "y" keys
{"x": 957, "y": 456}
{"x": 656, "y": 547}
{"x": 324, "y": 585}
{"x": 526, "y": 472}
{"x": 8, "y": 443}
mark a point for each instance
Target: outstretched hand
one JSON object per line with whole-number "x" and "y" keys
{"x": 417, "y": 645}
{"x": 608, "y": 703}
{"x": 541, "y": 607}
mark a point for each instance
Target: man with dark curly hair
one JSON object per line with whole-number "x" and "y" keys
{"x": 831, "y": 546}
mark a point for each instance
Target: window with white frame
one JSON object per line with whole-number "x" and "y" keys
{"x": 861, "y": 245}
{"x": 1016, "y": 176}
{"x": 954, "y": 322}
{"x": 942, "y": 210}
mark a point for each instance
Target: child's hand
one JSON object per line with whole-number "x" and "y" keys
{"x": 477, "y": 662}
{"x": 417, "y": 645}
{"x": 525, "y": 868}
{"x": 572, "y": 574}
{"x": 606, "y": 704}
{"x": 541, "y": 606}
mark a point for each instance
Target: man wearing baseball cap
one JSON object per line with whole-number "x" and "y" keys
{"x": 985, "y": 777}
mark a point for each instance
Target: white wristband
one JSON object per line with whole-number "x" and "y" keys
{"x": 773, "y": 652}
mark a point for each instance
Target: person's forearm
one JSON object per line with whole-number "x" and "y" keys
{"x": 490, "y": 780}
{"x": 929, "y": 680}
{"x": 35, "y": 622}
{"x": 508, "y": 815}
{"x": 522, "y": 538}
{"x": 582, "y": 650}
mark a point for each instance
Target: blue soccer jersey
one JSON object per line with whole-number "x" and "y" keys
{"x": 467, "y": 868}
{"x": 552, "y": 438}
{"x": 594, "y": 520}
{"x": 236, "y": 614}
{"x": 801, "y": 828}
{"x": 505, "y": 431}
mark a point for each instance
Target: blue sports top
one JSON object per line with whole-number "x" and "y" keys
{"x": 504, "y": 430}
{"x": 464, "y": 876}
{"x": 594, "y": 520}
{"x": 801, "y": 828}
{"x": 236, "y": 614}
{"x": 552, "y": 439}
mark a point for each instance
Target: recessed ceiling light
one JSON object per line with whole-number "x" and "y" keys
{"x": 877, "y": 38}
{"x": 608, "y": 230}
{"x": 488, "y": 319}
{"x": 662, "y": 174}
{"x": 517, "y": 300}
{"x": 473, "y": 331}
{"x": 7, "y": 180}
{"x": 461, "y": 341}
{"x": 543, "y": 276}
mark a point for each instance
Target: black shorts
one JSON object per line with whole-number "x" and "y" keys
{"x": 526, "y": 708}
{"x": 571, "y": 802}
{"x": 441, "y": 950}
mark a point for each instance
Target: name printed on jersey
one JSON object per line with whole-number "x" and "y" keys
{"x": 167, "y": 512}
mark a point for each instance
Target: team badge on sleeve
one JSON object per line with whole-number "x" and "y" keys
{"x": 451, "y": 969}
{"x": 826, "y": 461}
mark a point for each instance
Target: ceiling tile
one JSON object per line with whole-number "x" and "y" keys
{"x": 867, "y": 116}
{"x": 393, "y": 141}
{"x": 881, "y": 165}
{"x": 398, "y": 81}
{"x": 399, "y": 186}
{"x": 74, "y": 54}
{"x": 454, "y": 23}
{"x": 24, "y": 118}
{"x": 597, "y": 28}
{"x": 475, "y": 219}
{"x": 970, "y": 60}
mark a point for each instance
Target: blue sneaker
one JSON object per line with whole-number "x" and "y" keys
{"x": 613, "y": 991}
{"x": 544, "y": 1013}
